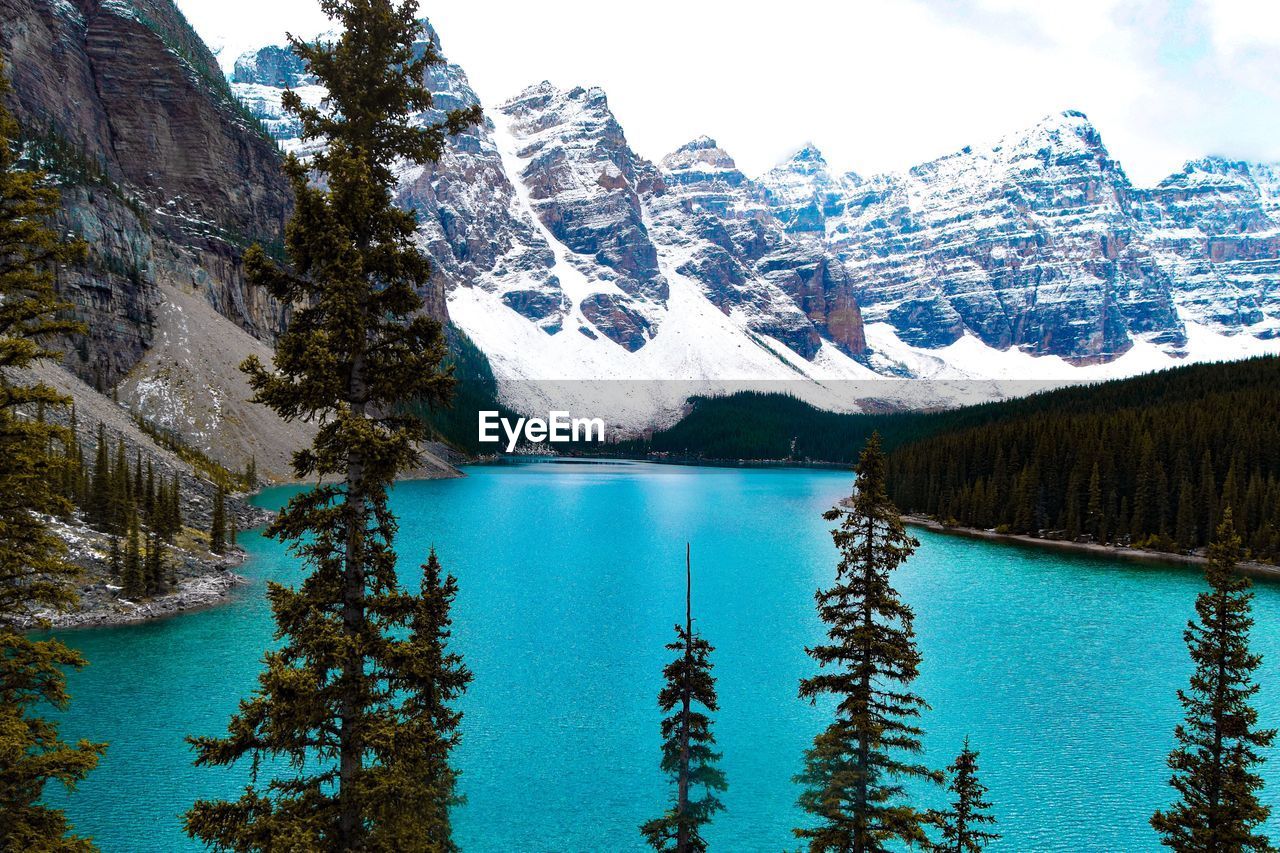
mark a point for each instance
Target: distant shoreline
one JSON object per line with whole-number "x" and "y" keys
{"x": 1137, "y": 555}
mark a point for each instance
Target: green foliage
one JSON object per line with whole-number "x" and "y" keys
{"x": 342, "y": 698}
{"x": 34, "y": 572}
{"x": 1145, "y": 461}
{"x": 218, "y": 527}
{"x": 855, "y": 773}
{"x": 133, "y": 575}
{"x": 1219, "y": 742}
{"x": 688, "y": 746}
{"x": 475, "y": 390}
{"x": 118, "y": 500}
{"x": 753, "y": 425}
{"x": 965, "y": 826}
{"x": 32, "y": 680}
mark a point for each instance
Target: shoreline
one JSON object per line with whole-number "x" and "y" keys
{"x": 203, "y": 591}
{"x": 1135, "y": 555}
{"x": 193, "y": 594}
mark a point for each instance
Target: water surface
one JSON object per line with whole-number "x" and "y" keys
{"x": 1061, "y": 668}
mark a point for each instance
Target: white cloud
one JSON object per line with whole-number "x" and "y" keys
{"x": 877, "y": 86}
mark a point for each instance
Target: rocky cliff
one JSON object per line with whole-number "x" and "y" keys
{"x": 165, "y": 174}
{"x": 1040, "y": 243}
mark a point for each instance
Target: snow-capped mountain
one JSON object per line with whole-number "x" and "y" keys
{"x": 566, "y": 255}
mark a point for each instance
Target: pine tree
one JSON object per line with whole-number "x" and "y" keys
{"x": 688, "y": 747}
{"x": 120, "y": 504}
{"x": 134, "y": 579}
{"x": 136, "y": 493}
{"x": 1096, "y": 516}
{"x": 100, "y": 490}
{"x": 218, "y": 527}
{"x": 1208, "y": 496}
{"x": 965, "y": 826}
{"x": 153, "y": 566}
{"x": 149, "y": 496}
{"x": 34, "y": 571}
{"x": 854, "y": 775}
{"x": 175, "y": 506}
{"x": 434, "y": 678}
{"x": 1218, "y": 810}
{"x": 357, "y": 352}
{"x": 72, "y": 460}
{"x": 1186, "y": 526}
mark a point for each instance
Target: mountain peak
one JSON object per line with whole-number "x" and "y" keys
{"x": 1068, "y": 132}
{"x": 808, "y": 153}
{"x": 431, "y": 36}
{"x": 701, "y": 143}
{"x": 699, "y": 160}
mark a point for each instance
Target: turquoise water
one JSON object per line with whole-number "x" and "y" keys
{"x": 1061, "y": 668}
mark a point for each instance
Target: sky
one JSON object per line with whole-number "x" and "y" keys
{"x": 877, "y": 86}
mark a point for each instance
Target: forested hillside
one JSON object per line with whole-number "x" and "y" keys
{"x": 1151, "y": 461}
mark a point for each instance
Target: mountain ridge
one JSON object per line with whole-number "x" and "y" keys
{"x": 1031, "y": 257}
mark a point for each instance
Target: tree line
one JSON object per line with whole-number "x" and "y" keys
{"x": 1151, "y": 462}
{"x": 359, "y": 695}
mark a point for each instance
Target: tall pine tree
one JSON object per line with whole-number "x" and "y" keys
{"x": 34, "y": 572}
{"x": 965, "y": 826}
{"x": 688, "y": 746}
{"x": 433, "y": 678}
{"x": 218, "y": 525}
{"x": 358, "y": 350}
{"x": 1214, "y": 764}
{"x": 855, "y": 773}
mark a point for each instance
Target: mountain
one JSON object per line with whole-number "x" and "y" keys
{"x": 573, "y": 261}
{"x": 161, "y": 168}
{"x": 1040, "y": 242}
{"x": 1030, "y": 243}
{"x": 168, "y": 177}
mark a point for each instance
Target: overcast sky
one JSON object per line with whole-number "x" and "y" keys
{"x": 876, "y": 85}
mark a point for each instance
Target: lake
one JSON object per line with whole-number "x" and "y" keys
{"x": 1061, "y": 668}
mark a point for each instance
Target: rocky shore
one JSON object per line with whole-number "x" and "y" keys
{"x": 1121, "y": 552}
{"x": 105, "y": 607}
{"x": 199, "y": 578}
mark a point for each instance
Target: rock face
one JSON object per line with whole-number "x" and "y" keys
{"x": 1031, "y": 243}
{"x": 744, "y": 258}
{"x": 585, "y": 186}
{"x": 803, "y": 193}
{"x": 1041, "y": 243}
{"x": 555, "y": 214}
{"x": 471, "y": 220}
{"x": 1216, "y": 227}
{"x": 163, "y": 171}
{"x": 565, "y": 252}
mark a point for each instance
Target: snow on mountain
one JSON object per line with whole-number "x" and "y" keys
{"x": 1216, "y": 227}
{"x": 1029, "y": 243}
{"x": 574, "y": 263}
{"x": 803, "y": 193}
